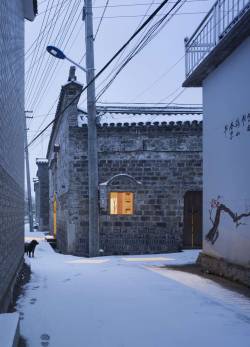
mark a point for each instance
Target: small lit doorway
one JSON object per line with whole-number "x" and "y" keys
{"x": 192, "y": 233}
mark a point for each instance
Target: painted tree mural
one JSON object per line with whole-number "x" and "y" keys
{"x": 215, "y": 212}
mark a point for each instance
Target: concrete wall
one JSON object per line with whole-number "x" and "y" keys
{"x": 226, "y": 159}
{"x": 166, "y": 159}
{"x": 11, "y": 144}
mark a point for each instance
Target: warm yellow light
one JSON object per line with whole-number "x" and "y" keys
{"x": 148, "y": 259}
{"x": 121, "y": 203}
{"x": 87, "y": 261}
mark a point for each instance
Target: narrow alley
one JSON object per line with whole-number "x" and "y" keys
{"x": 127, "y": 301}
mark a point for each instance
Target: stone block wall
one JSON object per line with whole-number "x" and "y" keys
{"x": 168, "y": 162}
{"x": 11, "y": 145}
{"x": 37, "y": 201}
{"x": 166, "y": 159}
{"x": 223, "y": 268}
{"x": 43, "y": 195}
{"x": 60, "y": 169}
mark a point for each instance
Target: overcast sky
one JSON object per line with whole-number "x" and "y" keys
{"x": 155, "y": 75}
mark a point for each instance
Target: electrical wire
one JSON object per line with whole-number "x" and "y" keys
{"x": 44, "y": 12}
{"x": 123, "y": 53}
{"x": 28, "y": 52}
{"x": 144, "y": 4}
{"x": 141, "y": 15}
{"x": 153, "y": 31}
{"x": 37, "y": 46}
{"x": 40, "y": 98}
{"x": 46, "y": 74}
{"x": 136, "y": 33}
{"x": 101, "y": 19}
{"x": 35, "y": 75}
{"x": 120, "y": 66}
{"x": 163, "y": 75}
{"x": 36, "y": 52}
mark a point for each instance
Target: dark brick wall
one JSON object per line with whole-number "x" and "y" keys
{"x": 43, "y": 195}
{"x": 11, "y": 144}
{"x": 166, "y": 159}
{"x": 168, "y": 162}
{"x": 60, "y": 164}
{"x": 37, "y": 201}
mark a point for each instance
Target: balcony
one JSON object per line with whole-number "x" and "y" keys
{"x": 30, "y": 9}
{"x": 225, "y": 26}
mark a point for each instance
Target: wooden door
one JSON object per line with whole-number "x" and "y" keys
{"x": 192, "y": 233}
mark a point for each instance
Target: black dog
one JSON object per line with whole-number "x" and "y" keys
{"x": 29, "y": 248}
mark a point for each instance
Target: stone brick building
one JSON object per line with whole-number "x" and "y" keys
{"x": 41, "y": 188}
{"x": 150, "y": 177}
{"x": 12, "y": 14}
{"x": 37, "y": 199}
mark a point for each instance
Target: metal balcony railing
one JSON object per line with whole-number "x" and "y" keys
{"x": 218, "y": 22}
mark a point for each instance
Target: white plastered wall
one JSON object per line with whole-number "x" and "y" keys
{"x": 226, "y": 99}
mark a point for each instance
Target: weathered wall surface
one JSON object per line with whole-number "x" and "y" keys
{"x": 226, "y": 164}
{"x": 11, "y": 144}
{"x": 166, "y": 159}
{"x": 59, "y": 172}
{"x": 37, "y": 200}
{"x": 43, "y": 195}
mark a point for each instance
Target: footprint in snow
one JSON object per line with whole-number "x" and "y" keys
{"x": 45, "y": 340}
{"x": 67, "y": 280}
{"x": 33, "y": 301}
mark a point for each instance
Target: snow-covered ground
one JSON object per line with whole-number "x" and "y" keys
{"x": 127, "y": 302}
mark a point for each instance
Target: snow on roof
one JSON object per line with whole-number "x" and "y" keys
{"x": 137, "y": 114}
{"x": 70, "y": 83}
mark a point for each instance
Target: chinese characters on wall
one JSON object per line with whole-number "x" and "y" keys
{"x": 238, "y": 126}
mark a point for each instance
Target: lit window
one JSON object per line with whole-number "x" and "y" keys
{"x": 121, "y": 203}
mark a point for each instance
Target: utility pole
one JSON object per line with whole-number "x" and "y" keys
{"x": 28, "y": 173}
{"x": 92, "y": 133}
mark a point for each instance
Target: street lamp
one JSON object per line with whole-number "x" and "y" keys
{"x": 92, "y": 131}
{"x": 57, "y": 53}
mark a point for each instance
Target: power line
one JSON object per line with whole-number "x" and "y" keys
{"x": 44, "y": 12}
{"x": 121, "y": 67}
{"x": 171, "y": 102}
{"x": 48, "y": 35}
{"x": 141, "y": 15}
{"x": 152, "y": 32}
{"x": 101, "y": 18}
{"x": 144, "y": 4}
{"x": 145, "y": 103}
{"x": 37, "y": 47}
{"x": 122, "y": 54}
{"x": 147, "y": 21}
{"x": 47, "y": 73}
{"x": 164, "y": 74}
{"x": 27, "y": 52}
{"x": 56, "y": 100}
{"x": 48, "y": 82}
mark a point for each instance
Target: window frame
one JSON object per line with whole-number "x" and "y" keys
{"x": 121, "y": 191}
